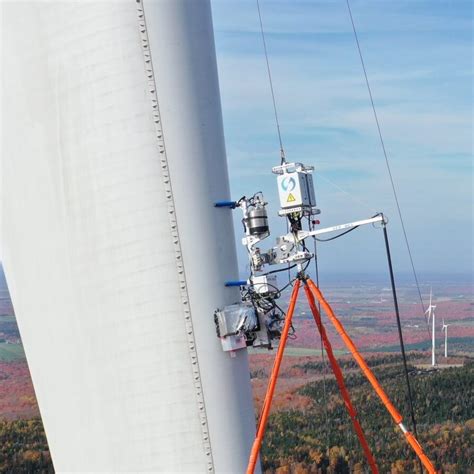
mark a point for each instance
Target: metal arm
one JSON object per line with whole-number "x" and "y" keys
{"x": 303, "y": 234}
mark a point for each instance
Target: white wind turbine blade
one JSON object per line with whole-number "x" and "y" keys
{"x": 99, "y": 227}
{"x": 430, "y": 307}
{"x": 428, "y": 313}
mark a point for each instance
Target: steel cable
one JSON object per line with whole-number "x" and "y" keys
{"x": 282, "y": 151}
{"x": 385, "y": 155}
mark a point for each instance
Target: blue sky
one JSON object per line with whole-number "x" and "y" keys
{"x": 419, "y": 60}
{"x": 418, "y": 55}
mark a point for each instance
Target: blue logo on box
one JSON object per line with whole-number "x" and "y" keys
{"x": 288, "y": 184}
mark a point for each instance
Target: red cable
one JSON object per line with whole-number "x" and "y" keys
{"x": 371, "y": 377}
{"x": 340, "y": 381}
{"x": 272, "y": 382}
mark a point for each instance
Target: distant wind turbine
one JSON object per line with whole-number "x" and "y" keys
{"x": 431, "y": 314}
{"x": 445, "y": 329}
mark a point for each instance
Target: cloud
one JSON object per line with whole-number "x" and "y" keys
{"x": 419, "y": 59}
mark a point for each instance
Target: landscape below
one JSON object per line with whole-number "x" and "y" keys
{"x": 309, "y": 430}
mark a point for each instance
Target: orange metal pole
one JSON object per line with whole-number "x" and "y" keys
{"x": 371, "y": 377}
{"x": 340, "y": 381}
{"x": 272, "y": 382}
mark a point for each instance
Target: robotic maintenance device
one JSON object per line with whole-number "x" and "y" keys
{"x": 257, "y": 320}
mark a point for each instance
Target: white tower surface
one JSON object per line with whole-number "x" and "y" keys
{"x": 113, "y": 156}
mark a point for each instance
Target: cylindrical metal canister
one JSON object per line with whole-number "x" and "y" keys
{"x": 257, "y": 221}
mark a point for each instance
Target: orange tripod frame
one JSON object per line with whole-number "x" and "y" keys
{"x": 311, "y": 291}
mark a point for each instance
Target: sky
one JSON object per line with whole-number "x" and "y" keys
{"x": 418, "y": 56}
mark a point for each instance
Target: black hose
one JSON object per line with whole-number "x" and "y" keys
{"x": 400, "y": 334}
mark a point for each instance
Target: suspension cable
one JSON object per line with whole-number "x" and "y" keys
{"x": 269, "y": 72}
{"x": 369, "y": 90}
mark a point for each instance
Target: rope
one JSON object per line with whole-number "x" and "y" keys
{"x": 385, "y": 154}
{"x": 269, "y": 72}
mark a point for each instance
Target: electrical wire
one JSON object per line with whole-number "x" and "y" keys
{"x": 287, "y": 285}
{"x": 281, "y": 270}
{"x": 282, "y": 151}
{"x": 292, "y": 332}
{"x": 337, "y": 236}
{"x": 385, "y": 154}
{"x": 342, "y": 233}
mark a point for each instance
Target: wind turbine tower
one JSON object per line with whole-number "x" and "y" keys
{"x": 445, "y": 329}
{"x": 431, "y": 315}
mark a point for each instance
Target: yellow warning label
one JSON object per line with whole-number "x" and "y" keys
{"x": 291, "y": 198}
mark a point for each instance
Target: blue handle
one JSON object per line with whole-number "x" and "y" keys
{"x": 236, "y": 283}
{"x": 229, "y": 204}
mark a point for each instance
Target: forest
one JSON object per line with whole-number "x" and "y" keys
{"x": 320, "y": 439}
{"x": 23, "y": 447}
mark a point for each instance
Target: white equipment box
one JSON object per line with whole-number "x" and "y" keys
{"x": 232, "y": 322}
{"x": 265, "y": 284}
{"x": 295, "y": 188}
